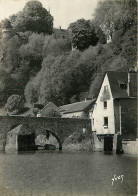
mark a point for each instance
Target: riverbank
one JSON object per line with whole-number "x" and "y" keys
{"x": 86, "y": 142}
{"x": 80, "y": 142}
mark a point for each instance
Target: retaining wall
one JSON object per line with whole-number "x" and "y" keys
{"x": 130, "y": 147}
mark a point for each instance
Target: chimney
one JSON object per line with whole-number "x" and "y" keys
{"x": 128, "y": 84}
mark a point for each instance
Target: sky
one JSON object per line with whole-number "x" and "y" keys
{"x": 63, "y": 11}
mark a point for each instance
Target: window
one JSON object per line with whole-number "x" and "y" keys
{"x": 106, "y": 88}
{"x": 105, "y": 104}
{"x": 105, "y": 121}
{"x": 123, "y": 86}
{"x": 93, "y": 121}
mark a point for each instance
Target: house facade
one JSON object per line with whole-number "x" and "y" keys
{"x": 60, "y": 33}
{"x": 115, "y": 111}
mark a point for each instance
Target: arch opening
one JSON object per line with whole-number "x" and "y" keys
{"x": 48, "y": 140}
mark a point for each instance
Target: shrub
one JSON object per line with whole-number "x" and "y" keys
{"x": 14, "y": 103}
{"x": 50, "y": 112}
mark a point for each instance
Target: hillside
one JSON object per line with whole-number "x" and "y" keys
{"x": 42, "y": 67}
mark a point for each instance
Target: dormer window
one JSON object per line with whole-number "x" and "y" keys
{"x": 123, "y": 86}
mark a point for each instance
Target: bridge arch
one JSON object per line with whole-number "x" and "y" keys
{"x": 44, "y": 132}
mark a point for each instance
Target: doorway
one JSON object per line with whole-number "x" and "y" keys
{"x": 108, "y": 144}
{"x": 26, "y": 142}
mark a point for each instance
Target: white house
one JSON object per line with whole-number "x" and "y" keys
{"x": 115, "y": 111}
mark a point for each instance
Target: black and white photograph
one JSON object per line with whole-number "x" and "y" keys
{"x": 68, "y": 98}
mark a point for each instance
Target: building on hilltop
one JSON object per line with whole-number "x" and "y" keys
{"x": 115, "y": 110}
{"x": 76, "y": 110}
{"x": 7, "y": 33}
{"x": 60, "y": 33}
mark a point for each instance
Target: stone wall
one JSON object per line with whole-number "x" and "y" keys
{"x": 126, "y": 117}
{"x": 129, "y": 118}
{"x": 130, "y": 147}
{"x": 61, "y": 127}
{"x": 73, "y": 114}
{"x": 99, "y": 143}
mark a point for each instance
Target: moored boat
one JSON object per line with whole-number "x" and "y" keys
{"x": 49, "y": 147}
{"x": 46, "y": 147}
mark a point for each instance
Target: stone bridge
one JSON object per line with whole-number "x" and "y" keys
{"x": 61, "y": 128}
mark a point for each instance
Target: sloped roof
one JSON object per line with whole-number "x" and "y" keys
{"x": 49, "y": 105}
{"x": 3, "y": 112}
{"x": 76, "y": 107}
{"x": 21, "y": 130}
{"x": 117, "y": 78}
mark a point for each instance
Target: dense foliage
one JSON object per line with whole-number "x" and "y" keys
{"x": 6, "y": 24}
{"x": 83, "y": 34}
{"x": 116, "y": 15}
{"x": 14, "y": 103}
{"x": 33, "y": 18}
{"x": 45, "y": 69}
{"x": 50, "y": 112}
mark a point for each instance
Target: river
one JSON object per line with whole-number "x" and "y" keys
{"x": 66, "y": 173}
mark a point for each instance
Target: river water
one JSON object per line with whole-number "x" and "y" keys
{"x": 65, "y": 173}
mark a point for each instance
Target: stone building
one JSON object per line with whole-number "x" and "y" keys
{"x": 60, "y": 33}
{"x": 115, "y": 111}
{"x": 20, "y": 138}
{"x": 8, "y": 33}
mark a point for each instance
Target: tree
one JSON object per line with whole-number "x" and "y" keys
{"x": 96, "y": 84}
{"x": 14, "y": 103}
{"x": 8, "y": 86}
{"x": 56, "y": 46}
{"x": 6, "y": 24}
{"x": 115, "y": 15}
{"x": 82, "y": 34}
{"x": 52, "y": 78}
{"x": 33, "y": 18}
{"x": 31, "y": 53}
{"x": 11, "y": 58}
{"x": 125, "y": 46}
{"x": 99, "y": 32}
{"x": 30, "y": 93}
{"x": 86, "y": 66}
